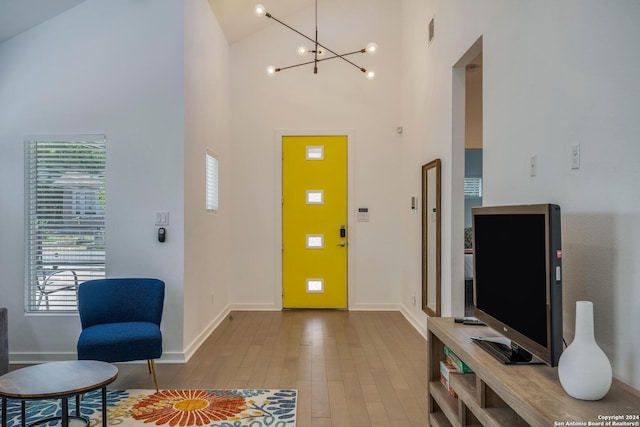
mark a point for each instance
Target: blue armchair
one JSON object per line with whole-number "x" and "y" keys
{"x": 121, "y": 320}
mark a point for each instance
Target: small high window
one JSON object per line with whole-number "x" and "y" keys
{"x": 212, "y": 202}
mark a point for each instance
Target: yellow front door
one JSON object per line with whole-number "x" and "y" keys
{"x": 314, "y": 221}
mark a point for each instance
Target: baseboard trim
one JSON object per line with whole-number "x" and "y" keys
{"x": 416, "y": 322}
{"x": 255, "y": 307}
{"x": 37, "y": 358}
{"x": 202, "y": 337}
{"x": 374, "y": 307}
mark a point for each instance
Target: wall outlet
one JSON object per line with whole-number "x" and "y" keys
{"x": 575, "y": 156}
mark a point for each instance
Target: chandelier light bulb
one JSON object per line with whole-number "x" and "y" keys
{"x": 302, "y": 50}
{"x": 260, "y": 10}
{"x": 320, "y": 51}
{"x": 271, "y": 70}
{"x": 371, "y": 74}
{"x": 372, "y": 48}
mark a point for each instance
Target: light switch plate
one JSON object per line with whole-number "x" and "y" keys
{"x": 162, "y": 218}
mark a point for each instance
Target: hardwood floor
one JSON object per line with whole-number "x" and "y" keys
{"x": 350, "y": 368}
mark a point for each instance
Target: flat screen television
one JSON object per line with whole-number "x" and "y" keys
{"x": 517, "y": 281}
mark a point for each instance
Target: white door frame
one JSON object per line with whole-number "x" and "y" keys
{"x": 350, "y": 134}
{"x": 453, "y": 303}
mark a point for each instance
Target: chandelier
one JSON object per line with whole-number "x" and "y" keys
{"x": 319, "y": 50}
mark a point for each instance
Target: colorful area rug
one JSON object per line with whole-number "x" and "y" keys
{"x": 172, "y": 408}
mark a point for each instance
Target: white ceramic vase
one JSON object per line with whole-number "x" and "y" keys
{"x": 584, "y": 370}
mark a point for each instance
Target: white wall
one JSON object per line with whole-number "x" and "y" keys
{"x": 207, "y": 127}
{"x": 555, "y": 74}
{"x": 337, "y": 98}
{"x": 116, "y": 68}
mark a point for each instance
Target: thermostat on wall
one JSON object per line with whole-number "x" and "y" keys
{"x": 362, "y": 215}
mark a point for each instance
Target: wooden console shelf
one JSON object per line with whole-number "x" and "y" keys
{"x": 508, "y": 395}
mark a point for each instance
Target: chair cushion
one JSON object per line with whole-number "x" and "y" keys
{"x": 120, "y": 342}
{"x": 120, "y": 300}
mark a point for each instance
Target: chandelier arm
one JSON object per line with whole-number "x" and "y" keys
{"x": 293, "y": 29}
{"x": 293, "y": 66}
{"x": 343, "y": 57}
{"x": 364, "y": 70}
{"x": 319, "y": 60}
{"x": 337, "y": 55}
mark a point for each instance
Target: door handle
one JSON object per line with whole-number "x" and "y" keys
{"x": 341, "y": 244}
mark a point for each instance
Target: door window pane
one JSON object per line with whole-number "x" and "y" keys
{"x": 315, "y": 286}
{"x": 315, "y": 241}
{"x": 315, "y": 152}
{"x": 315, "y": 197}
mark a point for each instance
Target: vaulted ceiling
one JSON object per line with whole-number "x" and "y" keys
{"x": 17, "y": 16}
{"x": 238, "y": 21}
{"x": 235, "y": 16}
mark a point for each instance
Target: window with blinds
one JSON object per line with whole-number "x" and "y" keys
{"x": 212, "y": 182}
{"x": 65, "y": 218}
{"x": 472, "y": 187}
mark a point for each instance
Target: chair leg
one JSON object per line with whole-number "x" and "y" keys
{"x": 152, "y": 369}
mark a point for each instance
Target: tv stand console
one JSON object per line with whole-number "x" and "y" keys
{"x": 508, "y": 395}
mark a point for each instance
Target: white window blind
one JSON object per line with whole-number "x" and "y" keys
{"x": 65, "y": 218}
{"x": 472, "y": 187}
{"x": 212, "y": 182}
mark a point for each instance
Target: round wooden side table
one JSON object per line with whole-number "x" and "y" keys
{"x": 57, "y": 380}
